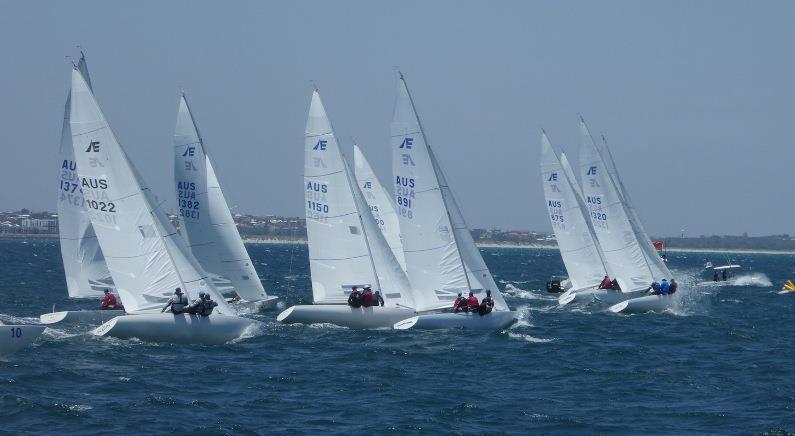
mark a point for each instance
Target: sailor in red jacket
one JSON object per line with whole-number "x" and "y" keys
{"x": 473, "y": 301}
{"x": 606, "y": 283}
{"x": 109, "y": 302}
{"x": 460, "y": 304}
{"x": 367, "y": 297}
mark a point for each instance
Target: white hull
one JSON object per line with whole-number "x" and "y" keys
{"x": 345, "y": 316}
{"x": 786, "y": 291}
{"x": 80, "y": 316}
{"x": 181, "y": 329}
{"x": 470, "y": 321}
{"x": 16, "y": 337}
{"x": 601, "y": 296}
{"x": 255, "y": 306}
{"x": 649, "y": 303}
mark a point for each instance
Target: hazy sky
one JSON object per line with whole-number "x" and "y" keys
{"x": 696, "y": 97}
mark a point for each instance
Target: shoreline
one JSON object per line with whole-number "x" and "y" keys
{"x": 276, "y": 241}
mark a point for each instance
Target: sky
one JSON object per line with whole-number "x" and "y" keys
{"x": 696, "y": 98}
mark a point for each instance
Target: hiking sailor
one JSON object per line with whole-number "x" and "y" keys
{"x": 197, "y": 305}
{"x": 355, "y": 299}
{"x": 378, "y": 300}
{"x": 177, "y": 303}
{"x": 460, "y": 304}
{"x": 109, "y": 302}
{"x": 664, "y": 287}
{"x": 606, "y": 283}
{"x": 472, "y": 302}
{"x": 207, "y": 305}
{"x": 486, "y": 305}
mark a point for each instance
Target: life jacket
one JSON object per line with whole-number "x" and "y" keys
{"x": 473, "y": 302}
{"x": 178, "y": 303}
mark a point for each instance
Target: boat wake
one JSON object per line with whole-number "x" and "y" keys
{"x": 758, "y": 280}
{"x": 513, "y": 291}
{"x": 529, "y": 338}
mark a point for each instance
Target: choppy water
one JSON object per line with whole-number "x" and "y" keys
{"x": 721, "y": 363}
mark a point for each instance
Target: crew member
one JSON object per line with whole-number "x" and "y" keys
{"x": 665, "y": 287}
{"x": 674, "y": 286}
{"x": 208, "y": 305}
{"x": 715, "y": 277}
{"x": 379, "y": 300}
{"x": 614, "y": 285}
{"x": 724, "y": 275}
{"x": 654, "y": 288}
{"x": 355, "y": 299}
{"x": 197, "y": 305}
{"x": 109, "y": 302}
{"x": 460, "y": 304}
{"x": 472, "y": 302}
{"x": 606, "y": 283}
{"x": 367, "y": 297}
{"x": 177, "y": 302}
{"x": 486, "y": 305}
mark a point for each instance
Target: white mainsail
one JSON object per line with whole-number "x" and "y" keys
{"x": 380, "y": 203}
{"x": 576, "y": 240}
{"x": 146, "y": 256}
{"x": 346, "y": 248}
{"x": 441, "y": 256}
{"x": 205, "y": 220}
{"x": 86, "y": 272}
{"x": 610, "y": 220}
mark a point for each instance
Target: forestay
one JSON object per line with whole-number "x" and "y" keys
{"x": 441, "y": 257}
{"x": 205, "y": 220}
{"x": 576, "y": 240}
{"x": 86, "y": 272}
{"x": 346, "y": 248}
{"x": 380, "y": 204}
{"x": 144, "y": 253}
{"x": 610, "y": 221}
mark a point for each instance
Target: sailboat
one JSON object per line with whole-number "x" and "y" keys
{"x": 87, "y": 275}
{"x": 627, "y": 248}
{"x": 441, "y": 256}
{"x": 380, "y": 202}
{"x": 205, "y": 220}
{"x": 346, "y": 247}
{"x": 579, "y": 247}
{"x": 16, "y": 337}
{"x": 146, "y": 256}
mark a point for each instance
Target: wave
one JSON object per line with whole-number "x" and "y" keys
{"x": 538, "y": 294}
{"x": 529, "y": 338}
{"x": 755, "y": 279}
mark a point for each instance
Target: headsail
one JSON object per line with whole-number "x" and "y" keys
{"x": 144, "y": 253}
{"x": 441, "y": 257}
{"x": 576, "y": 239}
{"x": 610, "y": 219}
{"x": 346, "y": 248}
{"x": 86, "y": 272}
{"x": 380, "y": 204}
{"x": 204, "y": 216}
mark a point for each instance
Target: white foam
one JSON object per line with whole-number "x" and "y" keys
{"x": 756, "y": 279}
{"x": 528, "y": 338}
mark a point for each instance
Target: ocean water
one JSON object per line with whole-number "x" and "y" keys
{"x": 721, "y": 363}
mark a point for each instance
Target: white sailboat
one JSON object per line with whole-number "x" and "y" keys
{"x": 441, "y": 256}
{"x": 381, "y": 204}
{"x": 146, "y": 256}
{"x": 205, "y": 220}
{"x": 346, "y": 247}
{"x": 16, "y": 337}
{"x": 579, "y": 247}
{"x": 87, "y": 275}
{"x": 626, "y": 247}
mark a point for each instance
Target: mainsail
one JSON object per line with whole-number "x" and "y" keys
{"x": 441, "y": 256}
{"x": 380, "y": 203}
{"x": 611, "y": 220}
{"x": 346, "y": 248}
{"x": 86, "y": 272}
{"x": 576, "y": 239}
{"x": 204, "y": 216}
{"x": 146, "y": 256}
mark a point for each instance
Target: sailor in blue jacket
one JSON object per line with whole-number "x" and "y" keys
{"x": 665, "y": 287}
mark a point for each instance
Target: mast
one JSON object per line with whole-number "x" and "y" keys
{"x": 436, "y": 171}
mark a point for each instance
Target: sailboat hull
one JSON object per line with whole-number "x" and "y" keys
{"x": 79, "y": 316}
{"x": 179, "y": 329}
{"x": 345, "y": 316}
{"x": 601, "y": 296}
{"x": 470, "y": 321}
{"x": 649, "y": 303}
{"x": 269, "y": 303}
{"x": 16, "y": 337}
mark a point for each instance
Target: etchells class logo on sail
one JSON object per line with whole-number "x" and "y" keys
{"x": 321, "y": 145}
{"x": 553, "y": 177}
{"x": 190, "y": 151}
{"x": 407, "y": 143}
{"x": 591, "y": 171}
{"x": 93, "y": 146}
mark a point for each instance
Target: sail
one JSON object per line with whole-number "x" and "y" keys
{"x": 610, "y": 220}
{"x": 83, "y": 262}
{"x": 441, "y": 257}
{"x": 338, "y": 254}
{"x": 658, "y": 267}
{"x": 205, "y": 220}
{"x": 144, "y": 253}
{"x": 380, "y": 204}
{"x": 576, "y": 240}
